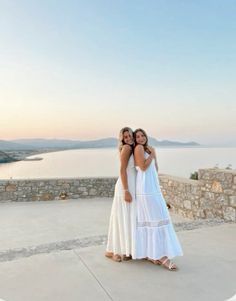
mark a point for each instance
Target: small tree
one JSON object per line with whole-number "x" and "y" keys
{"x": 194, "y": 175}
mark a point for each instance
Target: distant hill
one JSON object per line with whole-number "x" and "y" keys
{"x": 46, "y": 143}
{"x": 5, "y": 158}
{"x": 10, "y": 145}
{"x": 33, "y": 144}
{"x": 58, "y": 143}
{"x": 100, "y": 143}
{"x": 155, "y": 142}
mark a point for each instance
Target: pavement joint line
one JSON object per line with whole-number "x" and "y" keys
{"x": 98, "y": 240}
{"x": 93, "y": 275}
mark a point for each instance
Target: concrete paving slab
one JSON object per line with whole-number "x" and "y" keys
{"x": 206, "y": 271}
{"x": 58, "y": 276}
{"x": 34, "y": 223}
{"x": 26, "y": 224}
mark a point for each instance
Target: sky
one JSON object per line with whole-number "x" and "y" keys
{"x": 84, "y": 69}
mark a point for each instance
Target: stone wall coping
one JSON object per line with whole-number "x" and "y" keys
{"x": 93, "y": 178}
{"x": 56, "y": 179}
{"x": 181, "y": 179}
{"x": 219, "y": 170}
{"x": 174, "y": 178}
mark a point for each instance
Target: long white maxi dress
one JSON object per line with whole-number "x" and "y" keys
{"x": 122, "y": 226}
{"x": 155, "y": 235}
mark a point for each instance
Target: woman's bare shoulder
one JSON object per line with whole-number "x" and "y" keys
{"x": 126, "y": 148}
{"x": 139, "y": 148}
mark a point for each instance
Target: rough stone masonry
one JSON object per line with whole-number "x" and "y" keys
{"x": 213, "y": 195}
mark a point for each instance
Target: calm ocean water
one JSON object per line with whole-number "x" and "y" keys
{"x": 105, "y": 163}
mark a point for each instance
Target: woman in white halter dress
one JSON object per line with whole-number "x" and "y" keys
{"x": 156, "y": 239}
{"x": 121, "y": 233}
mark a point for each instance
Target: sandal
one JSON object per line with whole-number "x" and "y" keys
{"x": 115, "y": 257}
{"x": 170, "y": 266}
{"x": 157, "y": 262}
{"x": 126, "y": 258}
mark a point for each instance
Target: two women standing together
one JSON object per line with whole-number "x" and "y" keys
{"x": 140, "y": 225}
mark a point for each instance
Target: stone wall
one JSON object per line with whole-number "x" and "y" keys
{"x": 54, "y": 189}
{"x": 213, "y": 195}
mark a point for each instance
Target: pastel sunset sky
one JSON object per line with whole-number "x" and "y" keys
{"x": 84, "y": 69}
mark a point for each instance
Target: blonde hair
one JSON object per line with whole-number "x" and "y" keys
{"x": 121, "y": 142}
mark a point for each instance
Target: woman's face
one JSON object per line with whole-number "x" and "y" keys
{"x": 140, "y": 138}
{"x": 128, "y": 138}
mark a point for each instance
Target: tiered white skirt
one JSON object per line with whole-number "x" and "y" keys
{"x": 155, "y": 235}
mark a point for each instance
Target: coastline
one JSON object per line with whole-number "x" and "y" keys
{"x": 22, "y": 155}
{"x": 9, "y": 156}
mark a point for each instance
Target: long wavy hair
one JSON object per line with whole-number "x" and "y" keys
{"x": 121, "y": 136}
{"x": 145, "y": 134}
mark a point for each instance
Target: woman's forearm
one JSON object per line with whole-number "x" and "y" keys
{"x": 156, "y": 165}
{"x": 147, "y": 162}
{"x": 123, "y": 177}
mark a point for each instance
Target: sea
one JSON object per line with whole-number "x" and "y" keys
{"x": 104, "y": 162}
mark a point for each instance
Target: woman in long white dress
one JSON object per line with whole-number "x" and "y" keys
{"x": 121, "y": 233}
{"x": 156, "y": 239}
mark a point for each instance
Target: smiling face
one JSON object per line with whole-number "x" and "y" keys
{"x": 128, "y": 138}
{"x": 140, "y": 138}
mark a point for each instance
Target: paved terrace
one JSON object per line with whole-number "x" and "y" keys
{"x": 55, "y": 251}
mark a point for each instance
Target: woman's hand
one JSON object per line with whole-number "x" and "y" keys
{"x": 128, "y": 196}
{"x": 153, "y": 154}
{"x": 151, "y": 151}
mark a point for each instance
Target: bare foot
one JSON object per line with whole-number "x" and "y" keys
{"x": 153, "y": 261}
{"x": 109, "y": 254}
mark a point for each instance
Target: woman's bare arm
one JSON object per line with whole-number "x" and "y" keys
{"x": 124, "y": 159}
{"x": 140, "y": 159}
{"x": 155, "y": 158}
{"x": 152, "y": 150}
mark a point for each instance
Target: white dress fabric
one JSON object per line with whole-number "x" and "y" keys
{"x": 122, "y": 226}
{"x": 155, "y": 235}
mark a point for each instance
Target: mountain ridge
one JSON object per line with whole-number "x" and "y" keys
{"x": 32, "y": 144}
